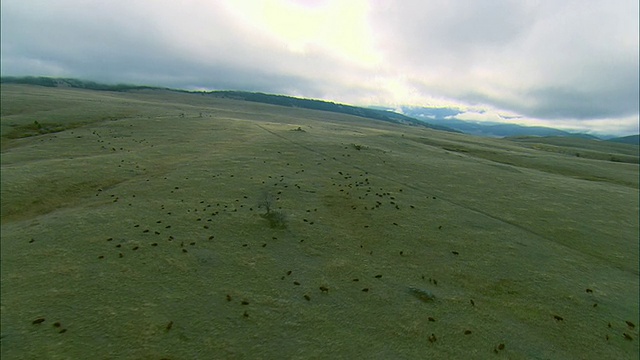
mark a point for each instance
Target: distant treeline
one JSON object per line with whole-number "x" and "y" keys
{"x": 73, "y": 83}
{"x": 289, "y": 101}
{"x": 280, "y": 100}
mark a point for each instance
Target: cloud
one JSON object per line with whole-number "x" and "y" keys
{"x": 190, "y": 44}
{"x": 569, "y": 62}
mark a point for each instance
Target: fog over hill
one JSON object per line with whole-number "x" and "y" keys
{"x": 447, "y": 117}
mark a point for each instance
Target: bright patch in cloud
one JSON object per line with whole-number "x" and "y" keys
{"x": 340, "y": 27}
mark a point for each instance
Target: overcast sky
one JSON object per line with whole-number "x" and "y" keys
{"x": 570, "y": 64}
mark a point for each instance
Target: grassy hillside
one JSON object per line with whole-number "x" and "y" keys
{"x": 586, "y": 148}
{"x": 271, "y": 99}
{"x": 631, "y": 139}
{"x": 370, "y": 113}
{"x": 132, "y": 228}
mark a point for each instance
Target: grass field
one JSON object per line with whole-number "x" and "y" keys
{"x": 131, "y": 230}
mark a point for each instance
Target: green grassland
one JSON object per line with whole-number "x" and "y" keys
{"x": 131, "y": 230}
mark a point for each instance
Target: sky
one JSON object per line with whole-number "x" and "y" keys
{"x": 569, "y": 64}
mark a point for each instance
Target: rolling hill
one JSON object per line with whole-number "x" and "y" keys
{"x": 280, "y": 100}
{"x": 134, "y": 226}
{"x": 631, "y": 139}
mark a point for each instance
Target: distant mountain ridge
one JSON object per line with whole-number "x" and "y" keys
{"x": 631, "y": 139}
{"x": 446, "y": 117}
